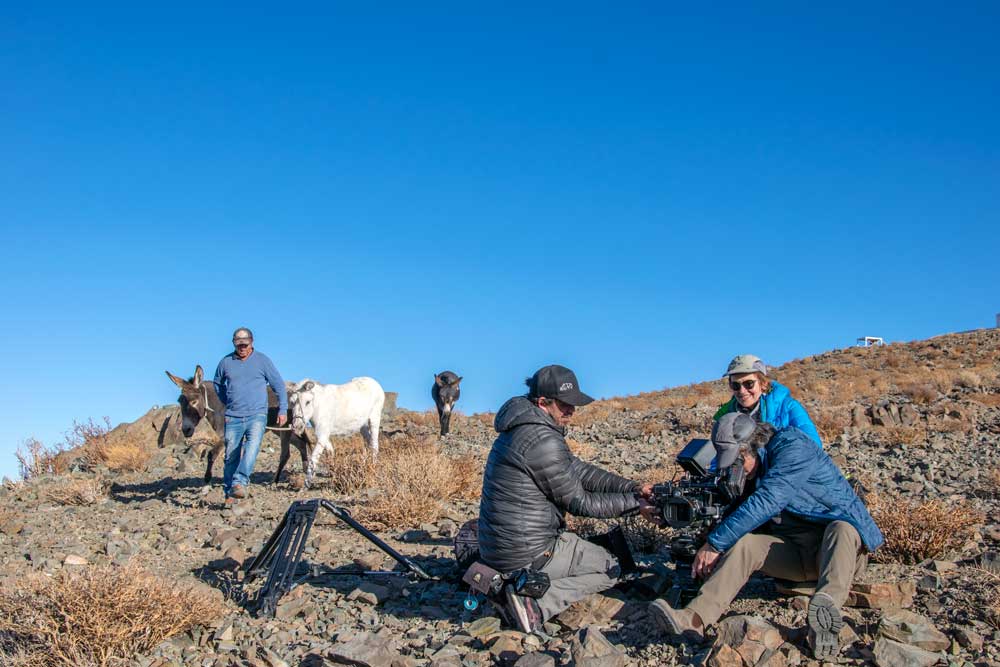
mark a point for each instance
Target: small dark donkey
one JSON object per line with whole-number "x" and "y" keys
{"x": 445, "y": 393}
{"x": 198, "y": 401}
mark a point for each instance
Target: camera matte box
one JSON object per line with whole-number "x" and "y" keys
{"x": 696, "y": 457}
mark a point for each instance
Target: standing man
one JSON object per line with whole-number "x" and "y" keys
{"x": 241, "y": 382}
{"x": 531, "y": 481}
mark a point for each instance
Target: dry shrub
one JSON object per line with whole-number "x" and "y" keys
{"x": 97, "y": 616}
{"x": 915, "y": 531}
{"x": 408, "y": 482}
{"x": 968, "y": 380}
{"x": 35, "y": 459}
{"x": 78, "y": 491}
{"x": 906, "y": 435}
{"x": 597, "y": 411}
{"x": 922, "y": 392}
{"x": 114, "y": 449}
{"x": 830, "y": 422}
{"x": 642, "y": 536}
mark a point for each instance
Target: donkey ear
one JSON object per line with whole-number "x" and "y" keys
{"x": 198, "y": 374}
{"x": 457, "y": 381}
{"x": 437, "y": 380}
{"x": 176, "y": 380}
{"x": 308, "y": 386}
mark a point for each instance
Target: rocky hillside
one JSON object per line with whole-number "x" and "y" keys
{"x": 918, "y": 423}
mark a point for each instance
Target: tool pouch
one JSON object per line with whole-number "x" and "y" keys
{"x": 483, "y": 579}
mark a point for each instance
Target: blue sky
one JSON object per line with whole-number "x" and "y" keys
{"x": 638, "y": 192}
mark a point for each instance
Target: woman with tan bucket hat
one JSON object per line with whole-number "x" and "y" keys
{"x": 764, "y": 399}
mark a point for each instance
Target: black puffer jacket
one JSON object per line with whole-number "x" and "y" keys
{"x": 531, "y": 480}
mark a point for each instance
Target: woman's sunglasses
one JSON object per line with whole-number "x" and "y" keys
{"x": 746, "y": 384}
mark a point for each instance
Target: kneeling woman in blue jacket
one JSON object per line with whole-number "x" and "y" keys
{"x": 764, "y": 399}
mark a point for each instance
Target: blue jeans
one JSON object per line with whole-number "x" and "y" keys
{"x": 243, "y": 436}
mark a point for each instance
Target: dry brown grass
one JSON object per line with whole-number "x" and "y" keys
{"x": 86, "y": 490}
{"x": 407, "y": 484}
{"x": 97, "y": 616}
{"x": 915, "y": 531}
{"x": 989, "y": 400}
{"x": 581, "y": 450}
{"x": 922, "y": 392}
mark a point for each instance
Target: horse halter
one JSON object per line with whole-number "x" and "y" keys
{"x": 207, "y": 407}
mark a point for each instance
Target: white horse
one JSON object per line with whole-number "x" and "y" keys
{"x": 336, "y": 409}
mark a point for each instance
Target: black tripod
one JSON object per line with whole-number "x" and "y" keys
{"x": 283, "y": 550}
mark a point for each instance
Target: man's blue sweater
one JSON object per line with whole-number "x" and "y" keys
{"x": 241, "y": 385}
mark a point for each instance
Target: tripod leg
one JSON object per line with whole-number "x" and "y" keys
{"x": 346, "y": 517}
{"x": 286, "y": 556}
{"x": 263, "y": 559}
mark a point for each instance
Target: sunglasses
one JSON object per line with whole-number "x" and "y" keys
{"x": 746, "y": 384}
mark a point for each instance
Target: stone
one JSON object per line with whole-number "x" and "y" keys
{"x": 415, "y": 535}
{"x": 73, "y": 559}
{"x": 535, "y": 659}
{"x": 592, "y": 610}
{"x": 484, "y": 627}
{"x": 859, "y": 419}
{"x": 909, "y": 628}
{"x": 272, "y": 659}
{"x": 889, "y": 653}
{"x": 897, "y": 595}
{"x": 929, "y": 583}
{"x": 590, "y": 648}
{"x": 909, "y": 415}
{"x": 366, "y": 650}
{"x": 968, "y": 638}
{"x": 942, "y": 566}
{"x": 506, "y": 646}
{"x": 725, "y": 656}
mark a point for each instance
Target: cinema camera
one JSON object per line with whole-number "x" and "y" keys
{"x": 694, "y": 505}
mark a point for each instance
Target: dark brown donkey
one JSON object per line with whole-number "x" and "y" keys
{"x": 198, "y": 401}
{"x": 445, "y": 393}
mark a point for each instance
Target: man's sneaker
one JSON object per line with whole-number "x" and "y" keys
{"x": 675, "y": 622}
{"x": 238, "y": 491}
{"x": 523, "y": 612}
{"x": 825, "y": 622}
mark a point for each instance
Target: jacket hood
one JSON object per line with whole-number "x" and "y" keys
{"x": 519, "y": 411}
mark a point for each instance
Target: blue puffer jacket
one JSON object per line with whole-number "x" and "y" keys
{"x": 780, "y": 410}
{"x": 794, "y": 478}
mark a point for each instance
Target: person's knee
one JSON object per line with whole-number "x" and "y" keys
{"x": 842, "y": 530}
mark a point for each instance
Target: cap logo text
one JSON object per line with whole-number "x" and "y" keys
{"x": 565, "y": 386}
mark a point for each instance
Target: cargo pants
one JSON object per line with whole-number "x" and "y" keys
{"x": 794, "y": 550}
{"x": 576, "y": 569}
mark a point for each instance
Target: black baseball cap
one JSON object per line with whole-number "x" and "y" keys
{"x": 557, "y": 382}
{"x": 728, "y": 433}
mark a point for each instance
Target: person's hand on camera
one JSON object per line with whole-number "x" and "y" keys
{"x": 646, "y": 491}
{"x": 704, "y": 561}
{"x": 650, "y": 513}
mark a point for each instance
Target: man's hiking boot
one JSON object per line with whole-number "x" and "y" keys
{"x": 523, "y": 612}
{"x": 238, "y": 491}
{"x": 675, "y": 622}
{"x": 824, "y": 624}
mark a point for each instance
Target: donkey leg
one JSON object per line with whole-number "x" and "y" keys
{"x": 323, "y": 441}
{"x": 208, "y": 467}
{"x": 285, "y": 437}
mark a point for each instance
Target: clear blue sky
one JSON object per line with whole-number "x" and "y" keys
{"x": 638, "y": 192}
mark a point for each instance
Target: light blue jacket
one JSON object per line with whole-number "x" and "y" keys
{"x": 795, "y": 478}
{"x": 780, "y": 410}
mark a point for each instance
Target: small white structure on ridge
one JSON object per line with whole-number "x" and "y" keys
{"x": 874, "y": 341}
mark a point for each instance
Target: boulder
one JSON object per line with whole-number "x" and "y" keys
{"x": 889, "y": 653}
{"x": 755, "y": 640}
{"x": 909, "y": 628}
{"x": 590, "y": 648}
{"x": 897, "y": 595}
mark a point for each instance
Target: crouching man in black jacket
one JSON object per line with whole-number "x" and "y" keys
{"x": 531, "y": 481}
